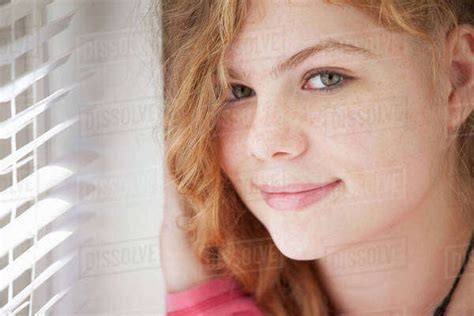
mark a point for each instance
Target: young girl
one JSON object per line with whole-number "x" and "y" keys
{"x": 321, "y": 154}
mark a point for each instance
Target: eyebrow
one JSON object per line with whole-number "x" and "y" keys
{"x": 299, "y": 57}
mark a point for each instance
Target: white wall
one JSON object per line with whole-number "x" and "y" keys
{"x": 117, "y": 271}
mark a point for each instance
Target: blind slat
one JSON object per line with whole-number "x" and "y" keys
{"x": 40, "y": 279}
{"x": 35, "y": 218}
{"x": 14, "y": 50}
{"x": 46, "y": 307}
{"x": 49, "y": 177}
{"x": 17, "y": 86}
{"x": 27, "y": 259}
{"x": 16, "y": 10}
{"x": 19, "y": 164}
{"x": 21, "y": 307}
{"x": 11, "y": 126}
{"x": 28, "y": 148}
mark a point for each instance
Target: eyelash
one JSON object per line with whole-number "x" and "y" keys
{"x": 312, "y": 74}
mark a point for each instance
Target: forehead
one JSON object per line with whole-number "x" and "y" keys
{"x": 276, "y": 29}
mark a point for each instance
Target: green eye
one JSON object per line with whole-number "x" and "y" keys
{"x": 240, "y": 91}
{"x": 324, "y": 80}
{"x": 330, "y": 79}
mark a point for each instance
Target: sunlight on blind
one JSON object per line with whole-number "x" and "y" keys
{"x": 33, "y": 189}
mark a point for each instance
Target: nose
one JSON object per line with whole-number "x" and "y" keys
{"x": 276, "y": 133}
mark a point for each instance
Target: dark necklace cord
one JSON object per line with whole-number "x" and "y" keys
{"x": 441, "y": 309}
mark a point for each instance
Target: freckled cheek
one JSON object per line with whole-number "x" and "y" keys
{"x": 238, "y": 168}
{"x": 235, "y": 119}
{"x": 228, "y": 153}
{"x": 366, "y": 133}
{"x": 232, "y": 130}
{"x": 232, "y": 157}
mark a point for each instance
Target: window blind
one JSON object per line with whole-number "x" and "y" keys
{"x": 37, "y": 190}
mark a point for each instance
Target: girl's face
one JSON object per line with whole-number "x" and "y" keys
{"x": 358, "y": 107}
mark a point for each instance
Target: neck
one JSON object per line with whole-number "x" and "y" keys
{"x": 407, "y": 269}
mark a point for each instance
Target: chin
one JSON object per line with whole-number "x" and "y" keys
{"x": 297, "y": 247}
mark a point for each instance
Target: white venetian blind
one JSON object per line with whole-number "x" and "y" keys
{"x": 37, "y": 190}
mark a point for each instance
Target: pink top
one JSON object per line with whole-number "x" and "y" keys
{"x": 215, "y": 297}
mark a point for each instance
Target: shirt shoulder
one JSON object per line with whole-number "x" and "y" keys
{"x": 221, "y": 296}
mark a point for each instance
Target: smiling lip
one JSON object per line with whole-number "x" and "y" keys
{"x": 293, "y": 201}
